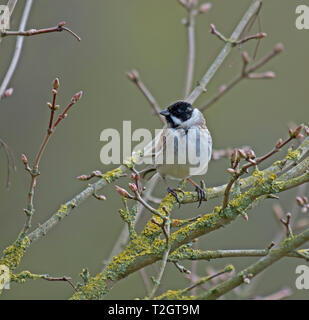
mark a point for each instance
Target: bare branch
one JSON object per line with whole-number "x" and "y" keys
{"x": 33, "y": 32}
{"x": 224, "y": 52}
{"x": 135, "y": 78}
{"x": 246, "y": 73}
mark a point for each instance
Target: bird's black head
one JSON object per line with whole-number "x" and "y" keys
{"x": 177, "y": 113}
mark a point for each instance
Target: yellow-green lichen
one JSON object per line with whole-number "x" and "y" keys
{"x": 25, "y": 275}
{"x": 113, "y": 175}
{"x": 14, "y": 253}
{"x": 293, "y": 154}
{"x": 173, "y": 295}
{"x": 62, "y": 211}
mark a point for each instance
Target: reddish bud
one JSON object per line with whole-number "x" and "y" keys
{"x": 77, "y": 97}
{"x": 56, "y": 84}
{"x": 300, "y": 201}
{"x": 123, "y": 192}
{"x": 135, "y": 176}
{"x": 205, "y": 7}
{"x": 133, "y": 187}
{"x": 101, "y": 197}
{"x": 212, "y": 28}
{"x": 242, "y": 153}
{"x": 24, "y": 159}
{"x": 298, "y": 130}
{"x": 8, "y": 92}
{"x": 278, "y": 47}
{"x": 279, "y": 143}
{"x": 97, "y": 173}
{"x": 83, "y": 177}
{"x": 61, "y": 24}
{"x": 251, "y": 154}
{"x": 133, "y": 75}
{"x": 261, "y": 35}
{"x": 231, "y": 170}
{"x": 269, "y": 75}
{"x": 234, "y": 155}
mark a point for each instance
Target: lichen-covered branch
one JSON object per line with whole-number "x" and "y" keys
{"x": 285, "y": 248}
{"x": 191, "y": 254}
{"x": 148, "y": 248}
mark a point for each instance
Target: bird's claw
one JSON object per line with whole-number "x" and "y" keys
{"x": 174, "y": 194}
{"x": 201, "y": 195}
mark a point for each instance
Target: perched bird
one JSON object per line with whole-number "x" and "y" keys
{"x": 183, "y": 149}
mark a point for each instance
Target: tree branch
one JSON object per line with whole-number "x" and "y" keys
{"x": 286, "y": 247}
{"x": 135, "y": 78}
{"x": 224, "y": 52}
{"x": 33, "y": 32}
{"x": 191, "y": 254}
{"x": 151, "y": 249}
{"x": 245, "y": 74}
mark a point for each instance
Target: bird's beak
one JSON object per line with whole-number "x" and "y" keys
{"x": 165, "y": 113}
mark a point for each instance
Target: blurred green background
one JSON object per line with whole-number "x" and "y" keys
{"x": 117, "y": 36}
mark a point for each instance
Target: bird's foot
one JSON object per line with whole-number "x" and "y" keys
{"x": 173, "y": 192}
{"x": 201, "y": 193}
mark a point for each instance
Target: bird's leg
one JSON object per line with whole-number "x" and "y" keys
{"x": 173, "y": 191}
{"x": 201, "y": 193}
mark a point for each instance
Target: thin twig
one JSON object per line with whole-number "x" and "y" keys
{"x": 135, "y": 78}
{"x": 257, "y": 36}
{"x": 287, "y": 225}
{"x": 255, "y": 162}
{"x": 245, "y": 74}
{"x": 166, "y": 230}
{"x": 190, "y": 24}
{"x": 33, "y": 32}
{"x": 224, "y": 52}
{"x": 145, "y": 279}
{"x": 66, "y": 279}
{"x": 34, "y": 172}
{"x": 200, "y": 282}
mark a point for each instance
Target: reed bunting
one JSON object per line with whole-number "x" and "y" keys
{"x": 183, "y": 149}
